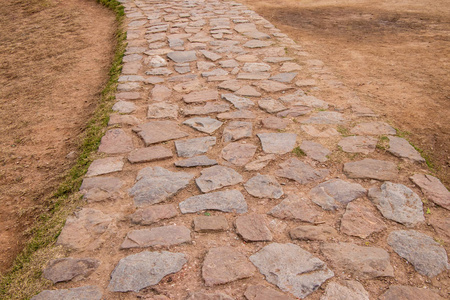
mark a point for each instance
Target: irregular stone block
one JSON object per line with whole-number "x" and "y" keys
{"x": 253, "y": 228}
{"x": 264, "y": 186}
{"x": 216, "y": 177}
{"x": 158, "y": 236}
{"x": 226, "y": 201}
{"x": 371, "y": 169}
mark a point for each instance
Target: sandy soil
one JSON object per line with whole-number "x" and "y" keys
{"x": 55, "y": 59}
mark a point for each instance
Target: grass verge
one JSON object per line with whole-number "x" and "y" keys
{"x": 24, "y": 279}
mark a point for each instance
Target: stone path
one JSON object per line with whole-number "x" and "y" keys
{"x": 236, "y": 166}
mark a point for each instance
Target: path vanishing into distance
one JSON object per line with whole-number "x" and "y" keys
{"x": 236, "y": 166}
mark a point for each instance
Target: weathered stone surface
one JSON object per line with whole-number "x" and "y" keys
{"x": 123, "y": 119}
{"x": 196, "y": 161}
{"x": 373, "y": 128}
{"x": 225, "y": 264}
{"x": 362, "y": 111}
{"x": 270, "y": 105}
{"x": 345, "y": 290}
{"x": 260, "y": 163}
{"x": 311, "y": 130}
{"x": 398, "y": 203}
{"x": 277, "y": 143}
{"x": 296, "y": 208}
{"x": 402, "y": 148}
{"x": 211, "y": 55}
{"x": 162, "y": 110}
{"x": 204, "y": 296}
{"x": 257, "y": 35}
{"x": 271, "y": 86}
{"x": 226, "y": 201}
{"x": 245, "y": 27}
{"x": 128, "y": 96}
{"x": 315, "y": 150}
{"x": 274, "y": 123}
{"x": 402, "y": 292}
{"x": 294, "y": 112}
{"x": 144, "y": 269}
{"x": 291, "y": 268}
{"x": 248, "y": 91}
{"x": 208, "y": 108}
{"x": 253, "y": 76}
{"x": 428, "y": 257}
{"x": 156, "y": 184}
{"x": 238, "y": 102}
{"x": 305, "y": 82}
{"x": 264, "y": 186}
{"x": 192, "y": 147}
{"x": 88, "y": 292}
{"x": 255, "y": 67}
{"x": 433, "y": 189}
{"x": 216, "y": 177}
{"x": 231, "y": 85}
{"x": 201, "y": 96}
{"x": 325, "y": 117}
{"x": 335, "y": 193}
{"x": 253, "y": 228}
{"x": 238, "y": 154}
{"x": 158, "y": 236}
{"x": 313, "y": 233}
{"x": 230, "y": 63}
{"x": 153, "y": 214}
{"x": 277, "y": 59}
{"x": 182, "y": 56}
{"x": 442, "y": 227}
{"x": 116, "y": 141}
{"x": 257, "y": 44}
{"x": 260, "y": 292}
{"x": 105, "y": 166}
{"x": 297, "y": 170}
{"x": 361, "y": 221}
{"x": 157, "y": 62}
{"x": 159, "y": 72}
{"x": 358, "y": 144}
{"x": 159, "y": 131}
{"x": 215, "y": 73}
{"x": 360, "y": 262}
{"x": 239, "y": 114}
{"x": 371, "y": 169}
{"x": 149, "y": 154}
{"x": 66, "y": 269}
{"x": 237, "y": 130}
{"x": 187, "y": 86}
{"x": 284, "y": 77}
{"x": 205, "y": 124}
{"x": 87, "y": 230}
{"x": 210, "y": 223}
{"x": 290, "y": 66}
{"x": 100, "y": 185}
{"x": 205, "y": 65}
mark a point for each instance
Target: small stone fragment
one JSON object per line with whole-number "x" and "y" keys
{"x": 271, "y": 86}
{"x": 115, "y": 141}
{"x": 271, "y": 106}
{"x": 295, "y": 208}
{"x": 153, "y": 214}
{"x": 371, "y": 169}
{"x": 313, "y": 233}
{"x": 335, "y": 193}
{"x": 238, "y": 102}
{"x": 277, "y": 143}
{"x": 238, "y": 154}
{"x": 433, "y": 189}
{"x": 210, "y": 223}
{"x": 260, "y": 163}
{"x": 236, "y": 130}
{"x": 403, "y": 292}
{"x": 345, "y": 290}
{"x": 402, "y": 148}
{"x": 253, "y": 228}
{"x": 182, "y": 56}
{"x": 105, "y": 166}
{"x": 361, "y": 221}
{"x": 248, "y": 91}
{"x": 226, "y": 201}
{"x": 192, "y": 147}
{"x": 204, "y": 124}
{"x": 88, "y": 292}
{"x": 297, "y": 170}
{"x": 157, "y": 236}
{"x": 201, "y": 96}
{"x": 197, "y": 161}
{"x": 358, "y": 144}
{"x": 159, "y": 131}
{"x": 373, "y": 128}
{"x": 264, "y": 186}
{"x": 66, "y": 269}
{"x": 315, "y": 150}
{"x": 149, "y": 154}
{"x": 216, "y": 177}
{"x": 274, "y": 123}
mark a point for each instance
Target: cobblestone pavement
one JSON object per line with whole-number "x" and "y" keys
{"x": 236, "y": 166}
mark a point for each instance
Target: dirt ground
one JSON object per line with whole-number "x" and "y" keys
{"x": 394, "y": 54}
{"x": 55, "y": 60}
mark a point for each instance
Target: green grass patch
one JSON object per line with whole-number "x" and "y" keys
{"x": 343, "y": 130}
{"x": 383, "y": 143}
{"x": 298, "y": 152}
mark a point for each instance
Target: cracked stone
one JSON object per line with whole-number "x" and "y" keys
{"x": 402, "y": 148}
{"x": 192, "y": 147}
{"x": 260, "y": 163}
{"x": 335, "y": 193}
{"x": 162, "y": 110}
{"x": 156, "y": 237}
{"x": 238, "y": 102}
{"x": 211, "y": 55}
{"x": 271, "y": 106}
{"x": 264, "y": 186}
{"x": 237, "y": 130}
{"x": 115, "y": 141}
{"x": 297, "y": 170}
{"x": 159, "y": 131}
{"x": 226, "y": 201}
{"x": 157, "y": 62}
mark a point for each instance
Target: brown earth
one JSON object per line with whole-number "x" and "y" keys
{"x": 55, "y": 59}
{"x": 394, "y": 55}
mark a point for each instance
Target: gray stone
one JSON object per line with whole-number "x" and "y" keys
{"x": 284, "y": 77}
{"x": 210, "y": 223}
{"x": 238, "y": 154}
{"x": 162, "y": 110}
{"x": 159, "y": 131}
{"x": 291, "y": 268}
{"x": 157, "y": 62}
{"x": 216, "y": 177}
{"x": 149, "y": 154}
{"x": 159, "y": 72}
{"x": 248, "y": 91}
{"x": 204, "y": 124}
{"x": 226, "y": 201}
{"x": 290, "y": 66}
{"x": 297, "y": 170}
{"x": 315, "y": 150}
{"x": 274, "y": 123}
{"x": 264, "y": 186}
{"x": 345, "y": 290}
{"x": 253, "y": 228}
{"x": 230, "y": 63}
{"x": 358, "y": 144}
{"x": 325, "y": 117}
{"x": 156, "y": 237}
{"x": 402, "y": 148}
{"x": 245, "y": 27}
{"x": 238, "y": 102}
{"x": 144, "y": 269}
{"x": 116, "y": 141}
{"x": 205, "y": 65}
{"x": 124, "y": 107}
{"x": 160, "y": 93}
{"x": 373, "y": 128}
{"x": 271, "y": 106}
{"x": 398, "y": 203}
{"x": 371, "y": 169}
{"x": 335, "y": 193}
{"x": 66, "y": 269}
{"x": 192, "y": 147}
{"x": 311, "y": 130}
{"x": 215, "y": 72}
{"x": 442, "y": 227}
{"x": 277, "y": 143}
{"x": 131, "y": 68}
{"x": 260, "y": 163}
{"x": 359, "y": 262}
{"x": 296, "y": 208}
{"x": 115, "y": 119}
{"x": 255, "y": 67}
{"x": 100, "y": 188}
{"x": 207, "y": 109}
{"x": 361, "y": 221}
{"x": 237, "y": 130}
{"x": 128, "y": 96}
{"x": 129, "y": 86}
{"x": 257, "y": 35}
{"x": 260, "y": 292}
{"x": 201, "y": 96}
{"x": 105, "y": 166}
{"x": 204, "y": 296}
{"x": 239, "y": 114}
{"x": 433, "y": 189}
{"x": 182, "y": 56}
{"x": 271, "y": 86}
{"x": 253, "y": 76}
{"x": 211, "y": 55}
{"x": 196, "y": 161}
{"x": 153, "y": 214}
{"x": 225, "y": 264}
{"x": 88, "y": 292}
{"x": 313, "y": 233}
{"x": 402, "y": 292}
{"x": 156, "y": 184}
{"x": 294, "y": 112}
{"x": 257, "y": 44}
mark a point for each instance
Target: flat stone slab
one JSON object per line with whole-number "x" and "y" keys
{"x": 345, "y": 290}
{"x": 359, "y": 262}
{"x": 253, "y": 76}
{"x": 291, "y": 268}
{"x": 238, "y": 153}
{"x": 277, "y": 143}
{"x": 159, "y": 131}
{"x": 250, "y": 67}
{"x": 210, "y": 223}
{"x": 138, "y": 271}
{"x": 211, "y": 55}
{"x": 315, "y": 150}
{"x": 301, "y": 172}
{"x": 162, "y": 110}
{"x": 403, "y": 149}
{"x": 325, "y": 117}
{"x": 296, "y": 208}
{"x": 271, "y": 105}
{"x": 248, "y": 91}
{"x": 153, "y": 214}
{"x": 373, "y": 128}
{"x": 274, "y": 123}
{"x": 124, "y": 107}
{"x": 149, "y": 154}
{"x": 260, "y": 163}
{"x": 284, "y": 77}
{"x": 400, "y": 292}
{"x": 312, "y": 131}
{"x": 216, "y": 177}
{"x": 264, "y": 186}
{"x": 66, "y": 269}
{"x": 205, "y": 296}
{"x": 101, "y": 188}
{"x": 371, "y": 169}
{"x": 398, "y": 203}
{"x": 182, "y": 56}
{"x": 231, "y": 85}
{"x": 226, "y": 201}
{"x": 208, "y": 108}
{"x": 105, "y": 166}
{"x": 428, "y": 257}
{"x": 433, "y": 189}
{"x": 253, "y": 228}
{"x": 123, "y": 119}
{"x": 201, "y": 96}
{"x": 290, "y": 66}
{"x": 271, "y": 86}
{"x": 361, "y": 221}
{"x": 257, "y": 44}
{"x": 88, "y": 292}
{"x": 293, "y": 112}
{"x": 237, "y": 130}
{"x": 197, "y": 161}
{"x": 261, "y": 292}
{"x": 238, "y": 102}
{"x": 336, "y": 193}
{"x": 225, "y": 264}
{"x": 240, "y": 114}
{"x": 158, "y": 236}
{"x": 204, "y": 124}
{"x": 358, "y": 144}
{"x": 116, "y": 141}
{"x": 313, "y": 233}
{"x": 192, "y": 147}
{"x": 156, "y": 184}
{"x": 442, "y": 227}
